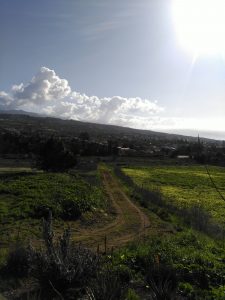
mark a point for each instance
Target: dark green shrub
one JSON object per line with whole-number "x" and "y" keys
{"x": 162, "y": 282}
{"x": 106, "y": 286}
{"x": 144, "y": 202}
{"x": 17, "y": 263}
{"x": 131, "y": 295}
{"x": 70, "y": 210}
{"x": 163, "y": 214}
{"x": 41, "y": 211}
{"x": 124, "y": 273}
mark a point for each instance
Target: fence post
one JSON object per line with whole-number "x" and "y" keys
{"x": 105, "y": 244}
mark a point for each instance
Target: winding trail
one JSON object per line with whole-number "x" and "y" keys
{"x": 130, "y": 222}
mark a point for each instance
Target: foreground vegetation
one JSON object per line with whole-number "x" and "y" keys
{"x": 186, "y": 265}
{"x": 170, "y": 261}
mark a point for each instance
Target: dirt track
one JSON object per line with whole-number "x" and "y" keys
{"x": 130, "y": 222}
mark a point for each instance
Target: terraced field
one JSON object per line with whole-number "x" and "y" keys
{"x": 185, "y": 186}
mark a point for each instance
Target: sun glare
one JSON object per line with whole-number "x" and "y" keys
{"x": 200, "y": 25}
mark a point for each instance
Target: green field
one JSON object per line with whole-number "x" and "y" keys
{"x": 197, "y": 257}
{"x": 184, "y": 186}
{"x": 25, "y": 198}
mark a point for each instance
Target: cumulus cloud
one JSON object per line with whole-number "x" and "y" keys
{"x": 44, "y": 87}
{"x": 5, "y": 99}
{"x": 49, "y": 94}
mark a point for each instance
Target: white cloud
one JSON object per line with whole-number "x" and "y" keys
{"x": 48, "y": 93}
{"x": 5, "y": 99}
{"x": 45, "y": 86}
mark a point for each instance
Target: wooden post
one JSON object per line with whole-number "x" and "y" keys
{"x": 144, "y": 229}
{"x": 105, "y": 244}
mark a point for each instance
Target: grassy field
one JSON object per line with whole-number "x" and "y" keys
{"x": 167, "y": 246}
{"x": 23, "y": 196}
{"x": 26, "y": 197}
{"x": 197, "y": 257}
{"x": 184, "y": 186}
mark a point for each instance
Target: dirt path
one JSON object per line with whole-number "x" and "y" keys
{"x": 129, "y": 224}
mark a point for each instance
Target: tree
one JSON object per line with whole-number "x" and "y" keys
{"x": 55, "y": 157}
{"x": 84, "y": 136}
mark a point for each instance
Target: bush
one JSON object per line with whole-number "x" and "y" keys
{"x": 131, "y": 295}
{"x": 124, "y": 273}
{"x": 62, "y": 268}
{"x": 41, "y": 211}
{"x": 17, "y": 263}
{"x": 107, "y": 286}
{"x": 70, "y": 210}
{"x": 162, "y": 282}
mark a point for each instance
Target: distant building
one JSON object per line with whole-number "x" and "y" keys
{"x": 126, "y": 151}
{"x": 183, "y": 156}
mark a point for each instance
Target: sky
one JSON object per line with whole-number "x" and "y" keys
{"x": 116, "y": 62}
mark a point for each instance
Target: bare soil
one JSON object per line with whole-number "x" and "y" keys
{"x": 130, "y": 222}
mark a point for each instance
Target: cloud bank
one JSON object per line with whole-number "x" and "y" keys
{"x": 49, "y": 94}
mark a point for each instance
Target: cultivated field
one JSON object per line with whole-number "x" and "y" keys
{"x": 185, "y": 186}
{"x": 27, "y": 197}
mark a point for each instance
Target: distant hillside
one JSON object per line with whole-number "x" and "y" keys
{"x": 18, "y": 112}
{"x": 33, "y": 123}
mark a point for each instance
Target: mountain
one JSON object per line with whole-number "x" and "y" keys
{"x": 21, "y": 121}
{"x": 18, "y": 112}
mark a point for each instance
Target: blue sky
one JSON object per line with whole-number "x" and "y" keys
{"x": 125, "y": 53}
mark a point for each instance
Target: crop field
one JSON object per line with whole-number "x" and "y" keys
{"x": 25, "y": 198}
{"x": 185, "y": 186}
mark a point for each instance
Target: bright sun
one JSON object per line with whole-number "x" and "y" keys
{"x": 200, "y": 25}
